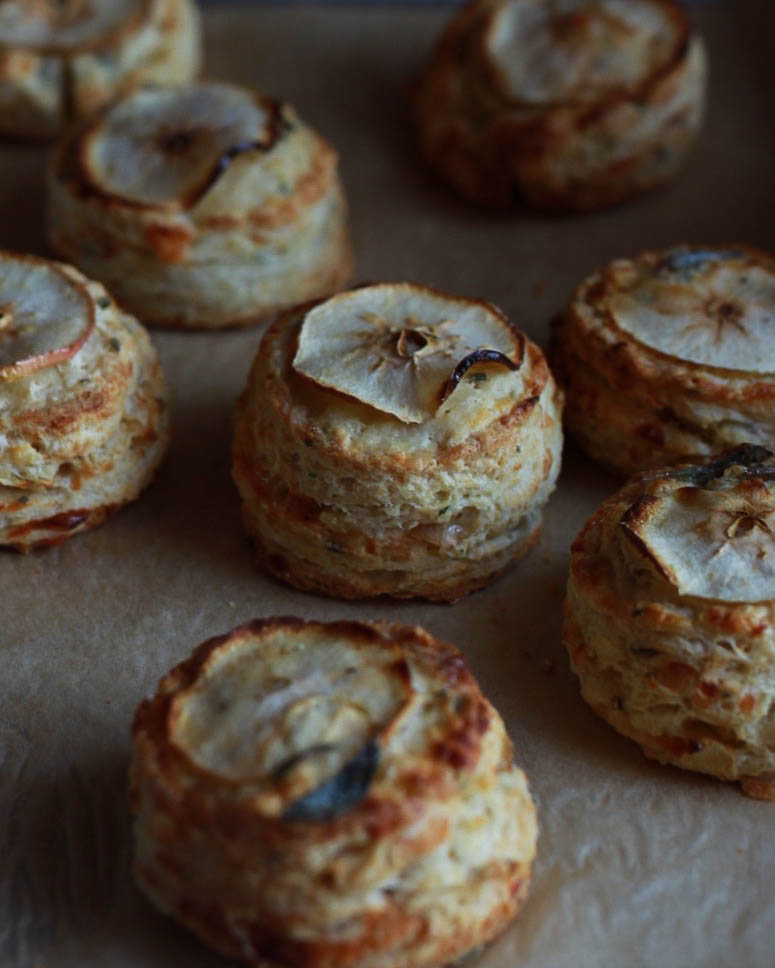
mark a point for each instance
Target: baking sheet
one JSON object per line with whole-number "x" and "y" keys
{"x": 638, "y": 865}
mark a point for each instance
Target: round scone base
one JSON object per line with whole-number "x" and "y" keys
{"x": 582, "y": 148}
{"x": 86, "y": 422}
{"x": 670, "y": 615}
{"x": 322, "y": 579}
{"x": 260, "y": 830}
{"x": 666, "y": 355}
{"x": 256, "y": 227}
{"x": 344, "y": 498}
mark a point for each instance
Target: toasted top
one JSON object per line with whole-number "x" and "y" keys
{"x": 166, "y": 146}
{"x": 403, "y": 348}
{"x": 707, "y": 529}
{"x": 545, "y": 52}
{"x": 308, "y": 721}
{"x": 712, "y": 308}
{"x": 479, "y": 394}
{"x": 66, "y": 26}
{"x": 198, "y": 151}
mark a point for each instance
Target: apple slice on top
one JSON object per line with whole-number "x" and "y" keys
{"x": 577, "y": 52}
{"x": 166, "y": 147}
{"x": 704, "y": 307}
{"x": 402, "y": 348}
{"x": 45, "y": 316}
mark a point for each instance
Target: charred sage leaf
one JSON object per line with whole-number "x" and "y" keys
{"x": 342, "y": 792}
{"x": 688, "y": 261}
{"x": 753, "y": 458}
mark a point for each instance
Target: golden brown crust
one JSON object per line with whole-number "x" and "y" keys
{"x": 368, "y": 883}
{"x": 575, "y": 153}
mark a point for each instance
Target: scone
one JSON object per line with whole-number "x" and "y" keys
{"x": 570, "y": 104}
{"x": 330, "y": 796}
{"x": 200, "y": 206}
{"x": 83, "y": 416}
{"x": 396, "y": 440}
{"x": 63, "y": 59}
{"x": 670, "y": 615}
{"x": 670, "y": 354}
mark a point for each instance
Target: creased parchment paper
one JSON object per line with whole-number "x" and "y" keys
{"x": 638, "y": 865}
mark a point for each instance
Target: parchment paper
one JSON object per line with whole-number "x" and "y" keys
{"x": 638, "y": 865}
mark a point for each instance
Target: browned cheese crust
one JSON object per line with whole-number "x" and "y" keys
{"x": 571, "y": 109}
{"x": 330, "y": 796}
{"x": 670, "y": 620}
{"x": 670, "y": 354}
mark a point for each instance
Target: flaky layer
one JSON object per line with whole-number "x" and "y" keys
{"x": 89, "y": 488}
